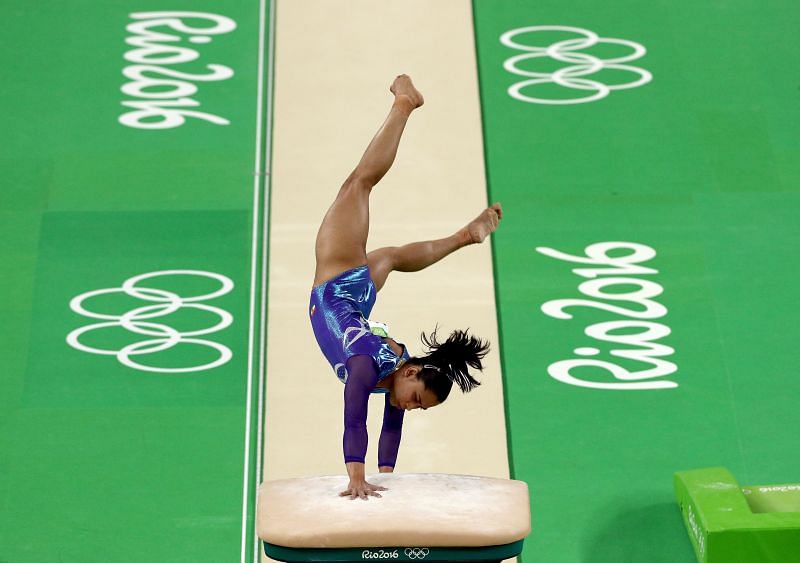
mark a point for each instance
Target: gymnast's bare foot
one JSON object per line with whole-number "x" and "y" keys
{"x": 402, "y": 86}
{"x": 484, "y": 224}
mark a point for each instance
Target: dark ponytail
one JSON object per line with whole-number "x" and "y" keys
{"x": 447, "y": 362}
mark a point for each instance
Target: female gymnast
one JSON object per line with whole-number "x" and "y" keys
{"x": 346, "y": 282}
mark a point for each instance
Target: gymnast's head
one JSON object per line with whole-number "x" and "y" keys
{"x": 425, "y": 381}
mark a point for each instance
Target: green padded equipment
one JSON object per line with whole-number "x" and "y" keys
{"x": 732, "y": 524}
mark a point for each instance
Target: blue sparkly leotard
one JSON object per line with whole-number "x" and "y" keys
{"x": 339, "y": 311}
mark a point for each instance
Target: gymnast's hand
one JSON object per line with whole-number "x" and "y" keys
{"x": 362, "y": 489}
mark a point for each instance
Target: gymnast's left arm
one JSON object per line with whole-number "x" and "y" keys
{"x": 391, "y": 432}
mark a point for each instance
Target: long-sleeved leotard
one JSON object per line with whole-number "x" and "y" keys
{"x": 361, "y": 380}
{"x": 339, "y": 310}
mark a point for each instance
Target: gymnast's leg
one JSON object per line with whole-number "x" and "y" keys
{"x": 342, "y": 237}
{"x": 418, "y": 255}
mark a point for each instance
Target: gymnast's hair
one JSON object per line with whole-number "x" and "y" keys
{"x": 447, "y": 362}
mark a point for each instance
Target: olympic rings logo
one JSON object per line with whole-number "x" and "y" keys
{"x": 167, "y": 303}
{"x": 417, "y": 553}
{"x": 568, "y": 76}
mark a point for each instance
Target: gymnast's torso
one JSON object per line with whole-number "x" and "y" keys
{"x": 339, "y": 309}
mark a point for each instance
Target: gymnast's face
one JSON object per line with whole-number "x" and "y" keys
{"x": 408, "y": 392}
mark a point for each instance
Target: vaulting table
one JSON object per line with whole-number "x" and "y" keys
{"x": 423, "y": 516}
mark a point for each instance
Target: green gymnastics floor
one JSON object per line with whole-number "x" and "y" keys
{"x": 152, "y": 456}
{"x": 618, "y": 372}
{"x": 700, "y": 165}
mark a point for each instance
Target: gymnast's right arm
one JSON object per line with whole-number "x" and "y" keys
{"x": 361, "y": 380}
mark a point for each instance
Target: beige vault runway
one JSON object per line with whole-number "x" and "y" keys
{"x": 334, "y": 65}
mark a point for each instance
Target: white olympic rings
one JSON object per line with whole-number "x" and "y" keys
{"x": 168, "y": 302}
{"x": 417, "y": 553}
{"x": 564, "y": 51}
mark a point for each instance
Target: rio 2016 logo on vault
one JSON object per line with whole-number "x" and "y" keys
{"x": 410, "y": 553}
{"x": 582, "y": 64}
{"x": 166, "y": 303}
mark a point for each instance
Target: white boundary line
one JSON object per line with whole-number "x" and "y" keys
{"x": 253, "y": 262}
{"x": 262, "y": 373}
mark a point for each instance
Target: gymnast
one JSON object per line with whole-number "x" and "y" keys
{"x": 346, "y": 282}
